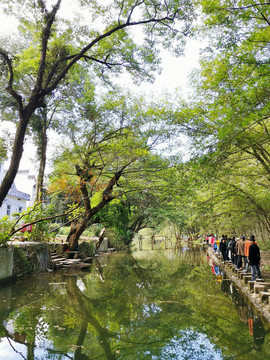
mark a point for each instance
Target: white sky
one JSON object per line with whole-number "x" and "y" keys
{"x": 174, "y": 76}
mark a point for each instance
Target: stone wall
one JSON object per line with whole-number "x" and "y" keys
{"x": 6, "y": 263}
{"x": 23, "y": 258}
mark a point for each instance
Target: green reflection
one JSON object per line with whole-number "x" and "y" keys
{"x": 145, "y": 305}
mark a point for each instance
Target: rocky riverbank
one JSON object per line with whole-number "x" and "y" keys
{"x": 258, "y": 293}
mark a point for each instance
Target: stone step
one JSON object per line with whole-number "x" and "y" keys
{"x": 251, "y": 285}
{"x": 247, "y": 278}
{"x": 264, "y": 285}
{"x": 264, "y": 295}
{"x": 241, "y": 274}
{"x": 258, "y": 288}
{"x": 80, "y": 266}
{"x": 71, "y": 261}
{"x": 58, "y": 260}
{"x": 57, "y": 266}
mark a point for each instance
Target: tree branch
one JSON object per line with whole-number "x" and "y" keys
{"x": 9, "y": 88}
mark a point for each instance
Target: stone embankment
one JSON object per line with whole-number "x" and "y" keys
{"x": 256, "y": 293}
{"x": 19, "y": 258}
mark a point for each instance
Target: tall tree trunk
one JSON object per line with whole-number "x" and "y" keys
{"x": 42, "y": 159}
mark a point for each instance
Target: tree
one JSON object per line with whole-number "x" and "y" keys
{"x": 228, "y": 119}
{"x": 51, "y": 53}
{"x": 108, "y": 153}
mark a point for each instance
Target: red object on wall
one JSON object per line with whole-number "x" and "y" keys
{"x": 29, "y": 228}
{"x": 24, "y": 229}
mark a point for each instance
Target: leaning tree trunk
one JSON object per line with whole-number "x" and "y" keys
{"x": 75, "y": 233}
{"x": 77, "y": 228}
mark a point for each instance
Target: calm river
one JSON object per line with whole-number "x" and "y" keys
{"x": 146, "y": 305}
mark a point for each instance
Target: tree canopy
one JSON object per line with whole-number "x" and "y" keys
{"x": 52, "y": 46}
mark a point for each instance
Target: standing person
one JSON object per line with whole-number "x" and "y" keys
{"x": 234, "y": 255}
{"x": 240, "y": 252}
{"x": 218, "y": 244}
{"x": 212, "y": 240}
{"x": 247, "y": 246}
{"x": 229, "y": 249}
{"x": 223, "y": 248}
{"x": 254, "y": 259}
{"x": 215, "y": 246}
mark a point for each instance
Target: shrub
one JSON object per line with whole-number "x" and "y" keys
{"x": 64, "y": 230}
{"x": 86, "y": 249}
{"x": 5, "y": 227}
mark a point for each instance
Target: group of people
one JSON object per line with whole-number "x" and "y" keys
{"x": 245, "y": 311}
{"x": 244, "y": 254}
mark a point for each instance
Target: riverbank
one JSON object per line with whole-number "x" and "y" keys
{"x": 253, "y": 294}
{"x": 265, "y": 264}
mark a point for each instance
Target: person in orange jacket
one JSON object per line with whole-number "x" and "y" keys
{"x": 247, "y": 245}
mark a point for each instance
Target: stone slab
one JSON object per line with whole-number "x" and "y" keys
{"x": 251, "y": 285}
{"x": 247, "y": 278}
{"x": 258, "y": 288}
{"x": 264, "y": 295}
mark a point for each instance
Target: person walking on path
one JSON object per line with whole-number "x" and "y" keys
{"x": 234, "y": 254}
{"x": 254, "y": 259}
{"x": 223, "y": 248}
{"x": 212, "y": 241}
{"x": 240, "y": 252}
{"x": 247, "y": 246}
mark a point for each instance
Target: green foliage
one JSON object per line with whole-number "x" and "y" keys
{"x": 22, "y": 260}
{"x": 5, "y": 226}
{"x": 86, "y": 249}
{"x": 3, "y": 150}
{"x": 4, "y": 237}
{"x": 64, "y": 230}
{"x": 115, "y": 216}
{"x": 42, "y": 229}
{"x": 93, "y": 230}
{"x": 227, "y": 121}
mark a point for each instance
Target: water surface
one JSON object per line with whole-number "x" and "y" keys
{"x": 145, "y": 305}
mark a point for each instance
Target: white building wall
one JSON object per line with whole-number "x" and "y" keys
{"x": 26, "y": 182}
{"x": 18, "y": 198}
{"x": 1, "y": 172}
{"x": 11, "y": 205}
